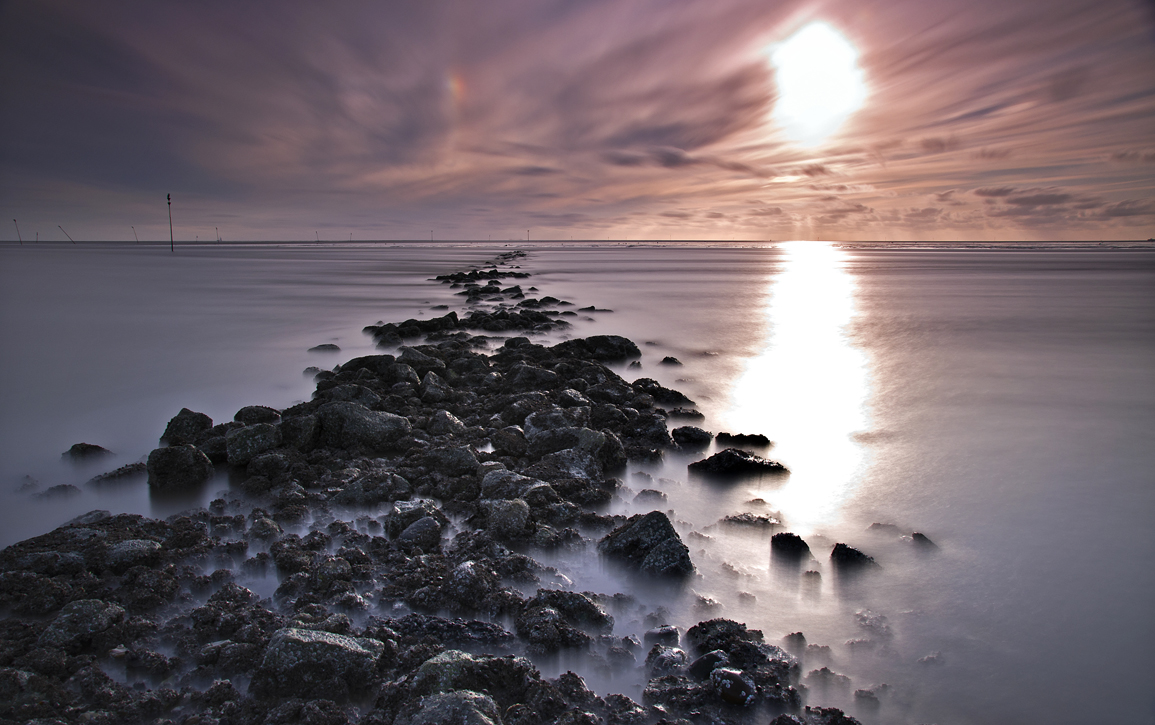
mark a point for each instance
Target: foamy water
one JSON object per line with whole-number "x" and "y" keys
{"x": 1000, "y": 402}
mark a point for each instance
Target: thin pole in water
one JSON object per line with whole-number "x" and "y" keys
{"x": 318, "y": 235}
{"x": 218, "y": 233}
{"x": 134, "y": 234}
{"x": 18, "y": 233}
{"x": 66, "y": 234}
{"x": 171, "y": 243}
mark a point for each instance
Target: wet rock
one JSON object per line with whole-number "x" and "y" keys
{"x": 650, "y": 496}
{"x": 650, "y": 543}
{"x": 78, "y": 622}
{"x": 733, "y": 461}
{"x": 120, "y": 475}
{"x": 253, "y": 414}
{"x": 404, "y": 513}
{"x": 847, "y": 559}
{"x": 509, "y": 441}
{"x": 921, "y": 541}
{"x": 185, "y": 427}
{"x": 667, "y": 634}
{"x": 433, "y": 389}
{"x": 732, "y": 686}
{"x": 424, "y": 532}
{"x": 664, "y": 396}
{"x": 325, "y": 347}
{"x": 720, "y": 634}
{"x": 743, "y": 439}
{"x": 372, "y": 489}
{"x": 311, "y": 664}
{"x": 789, "y": 547}
{"x": 503, "y": 484}
{"x": 670, "y": 360}
{"x": 463, "y": 707}
{"x": 506, "y": 518}
{"x": 63, "y": 490}
{"x": 133, "y": 552}
{"x": 445, "y": 423}
{"x": 691, "y": 438}
{"x": 352, "y": 426}
{"x": 452, "y": 460}
{"x": 242, "y": 444}
{"x": 556, "y": 619}
{"x": 701, "y": 668}
{"x": 85, "y": 452}
{"x": 665, "y": 660}
{"x": 179, "y": 466}
{"x": 602, "y": 348}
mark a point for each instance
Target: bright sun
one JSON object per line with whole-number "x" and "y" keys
{"x": 819, "y": 82}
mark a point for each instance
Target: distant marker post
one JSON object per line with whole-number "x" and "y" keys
{"x": 134, "y": 234}
{"x": 171, "y": 243}
{"x": 18, "y": 233}
{"x": 66, "y": 234}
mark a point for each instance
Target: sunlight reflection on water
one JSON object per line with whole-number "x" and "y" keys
{"x": 808, "y": 388}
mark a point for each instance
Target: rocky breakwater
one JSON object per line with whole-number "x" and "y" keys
{"x": 384, "y": 523}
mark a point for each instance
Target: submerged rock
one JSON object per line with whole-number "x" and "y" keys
{"x": 85, "y": 452}
{"x": 185, "y": 427}
{"x": 789, "y": 547}
{"x": 734, "y": 461}
{"x": 848, "y": 559}
{"x": 691, "y": 438}
{"x": 744, "y": 439}
{"x": 650, "y": 543}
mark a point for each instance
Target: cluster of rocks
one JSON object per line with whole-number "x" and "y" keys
{"x": 418, "y": 609}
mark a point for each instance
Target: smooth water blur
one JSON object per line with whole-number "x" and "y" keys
{"x": 999, "y": 401}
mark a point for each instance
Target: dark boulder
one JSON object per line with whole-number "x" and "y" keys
{"x": 789, "y": 547}
{"x": 185, "y": 427}
{"x": 743, "y": 439}
{"x": 253, "y": 414}
{"x": 733, "y": 462}
{"x": 352, "y": 426}
{"x": 80, "y": 621}
{"x": 847, "y": 559}
{"x": 691, "y": 438}
{"x": 312, "y": 664}
{"x": 178, "y": 467}
{"x": 602, "y": 348}
{"x": 85, "y": 452}
{"x": 243, "y": 444}
{"x": 650, "y": 543}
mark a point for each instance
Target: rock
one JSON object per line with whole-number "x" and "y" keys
{"x": 372, "y": 489}
{"x": 847, "y": 559}
{"x": 743, "y": 439}
{"x": 433, "y": 389}
{"x": 921, "y": 540}
{"x": 89, "y": 518}
{"x": 667, "y": 634}
{"x": 85, "y": 452}
{"x": 185, "y": 427}
{"x": 650, "y": 543}
{"x": 120, "y": 475}
{"x": 463, "y": 707}
{"x": 404, "y": 513}
{"x": 691, "y": 438}
{"x": 452, "y": 460}
{"x": 419, "y": 361}
{"x": 133, "y": 552}
{"x": 789, "y": 547}
{"x": 670, "y": 360}
{"x": 665, "y": 660}
{"x": 445, "y": 423}
{"x": 556, "y": 619}
{"x": 510, "y": 441}
{"x": 352, "y": 426}
{"x": 325, "y": 347}
{"x": 253, "y": 414}
{"x": 242, "y": 444}
{"x": 503, "y": 484}
{"x": 78, "y": 622}
{"x": 732, "y": 686}
{"x": 63, "y": 490}
{"x": 732, "y": 462}
{"x": 424, "y": 532}
{"x": 311, "y": 664}
{"x": 720, "y": 634}
{"x": 602, "y": 348}
{"x": 662, "y": 395}
{"x": 650, "y": 496}
{"x": 178, "y": 466}
{"x": 506, "y": 518}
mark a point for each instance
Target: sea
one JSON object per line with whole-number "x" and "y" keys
{"x": 997, "y": 399}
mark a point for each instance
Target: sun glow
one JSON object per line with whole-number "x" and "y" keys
{"x": 819, "y": 83}
{"x": 808, "y": 389}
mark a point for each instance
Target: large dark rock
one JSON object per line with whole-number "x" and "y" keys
{"x": 178, "y": 467}
{"x": 847, "y": 559}
{"x": 463, "y": 707}
{"x": 650, "y": 543}
{"x": 78, "y": 622}
{"x": 253, "y": 414}
{"x": 243, "y": 444}
{"x": 185, "y": 426}
{"x": 691, "y": 438}
{"x": 603, "y": 348}
{"x": 733, "y": 462}
{"x": 352, "y": 426}
{"x": 85, "y": 452}
{"x": 789, "y": 547}
{"x": 311, "y": 664}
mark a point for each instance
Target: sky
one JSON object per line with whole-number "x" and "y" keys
{"x": 586, "y": 119}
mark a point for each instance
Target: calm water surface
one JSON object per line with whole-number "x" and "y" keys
{"x": 1001, "y": 402}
